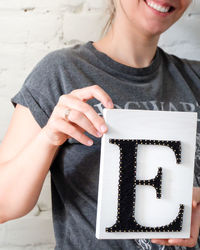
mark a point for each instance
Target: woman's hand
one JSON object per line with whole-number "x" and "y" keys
{"x": 195, "y": 225}
{"x": 82, "y": 116}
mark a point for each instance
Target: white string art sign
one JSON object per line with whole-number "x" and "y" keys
{"x": 146, "y": 174}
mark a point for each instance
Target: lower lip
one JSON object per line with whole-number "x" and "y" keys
{"x": 164, "y": 14}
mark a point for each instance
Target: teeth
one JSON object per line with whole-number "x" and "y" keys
{"x": 158, "y": 7}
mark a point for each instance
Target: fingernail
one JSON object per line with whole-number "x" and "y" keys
{"x": 103, "y": 128}
{"x": 98, "y": 134}
{"x": 110, "y": 104}
{"x": 90, "y": 142}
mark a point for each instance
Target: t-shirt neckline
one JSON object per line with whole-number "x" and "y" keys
{"x": 125, "y": 68}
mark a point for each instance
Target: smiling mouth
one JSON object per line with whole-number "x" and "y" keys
{"x": 158, "y": 7}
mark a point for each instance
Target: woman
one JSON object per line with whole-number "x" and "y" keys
{"x": 124, "y": 69}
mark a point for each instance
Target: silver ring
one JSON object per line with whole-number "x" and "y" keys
{"x": 67, "y": 111}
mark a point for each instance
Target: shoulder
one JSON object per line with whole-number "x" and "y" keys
{"x": 54, "y": 67}
{"x": 182, "y": 63}
{"x": 62, "y": 56}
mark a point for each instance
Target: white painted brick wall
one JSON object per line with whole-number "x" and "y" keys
{"x": 29, "y": 30}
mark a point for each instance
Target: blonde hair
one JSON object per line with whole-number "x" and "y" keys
{"x": 111, "y": 9}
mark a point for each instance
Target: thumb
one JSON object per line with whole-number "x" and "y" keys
{"x": 196, "y": 196}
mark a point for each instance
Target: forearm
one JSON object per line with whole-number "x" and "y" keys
{"x": 21, "y": 178}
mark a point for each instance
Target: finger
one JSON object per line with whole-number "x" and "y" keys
{"x": 176, "y": 242}
{"x": 82, "y": 121}
{"x": 75, "y": 103}
{"x": 195, "y": 222}
{"x": 179, "y": 242}
{"x": 94, "y": 91}
{"x": 74, "y": 132}
{"x": 183, "y": 242}
{"x": 161, "y": 242}
{"x": 194, "y": 204}
{"x": 59, "y": 111}
{"x": 77, "y": 118}
{"x": 196, "y": 194}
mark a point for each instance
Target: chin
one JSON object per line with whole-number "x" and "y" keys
{"x": 155, "y": 30}
{"x": 160, "y": 15}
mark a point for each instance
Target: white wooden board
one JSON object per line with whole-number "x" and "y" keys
{"x": 177, "y": 179}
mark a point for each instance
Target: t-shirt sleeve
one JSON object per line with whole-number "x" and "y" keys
{"x": 41, "y": 89}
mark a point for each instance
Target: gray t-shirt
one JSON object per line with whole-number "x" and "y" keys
{"x": 169, "y": 83}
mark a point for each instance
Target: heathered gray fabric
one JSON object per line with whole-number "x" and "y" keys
{"x": 169, "y": 83}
